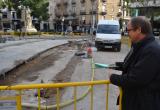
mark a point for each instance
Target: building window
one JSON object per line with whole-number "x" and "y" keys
{"x": 112, "y": 8}
{"x": 13, "y": 15}
{"x": 73, "y": 9}
{"x": 6, "y": 25}
{"x": 103, "y": 8}
{"x": 4, "y": 15}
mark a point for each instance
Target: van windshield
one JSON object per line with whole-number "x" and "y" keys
{"x": 108, "y": 29}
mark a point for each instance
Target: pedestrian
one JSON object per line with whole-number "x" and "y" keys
{"x": 140, "y": 79}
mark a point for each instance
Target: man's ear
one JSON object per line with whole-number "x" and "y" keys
{"x": 139, "y": 30}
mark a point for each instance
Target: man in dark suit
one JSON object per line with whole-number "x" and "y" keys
{"x": 140, "y": 79}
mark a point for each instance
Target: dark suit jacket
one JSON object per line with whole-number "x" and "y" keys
{"x": 140, "y": 79}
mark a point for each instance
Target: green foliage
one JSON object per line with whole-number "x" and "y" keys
{"x": 0, "y": 4}
{"x": 7, "y": 3}
{"x": 41, "y": 11}
{"x": 39, "y": 8}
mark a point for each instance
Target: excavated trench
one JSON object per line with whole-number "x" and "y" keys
{"x": 41, "y": 62}
{"x": 30, "y": 70}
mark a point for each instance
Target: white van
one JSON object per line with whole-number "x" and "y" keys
{"x": 108, "y": 35}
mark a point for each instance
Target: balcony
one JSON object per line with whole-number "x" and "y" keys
{"x": 104, "y": 0}
{"x": 65, "y": 3}
{"x": 58, "y": 4}
{"x": 73, "y": 14}
{"x": 82, "y": 12}
{"x": 93, "y": 12}
{"x": 83, "y": 1}
{"x": 103, "y": 13}
{"x": 119, "y": 4}
{"x": 66, "y": 14}
{"x": 73, "y": 2}
{"x": 93, "y": 0}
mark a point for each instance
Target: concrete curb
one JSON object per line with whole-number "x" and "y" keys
{"x": 29, "y": 59}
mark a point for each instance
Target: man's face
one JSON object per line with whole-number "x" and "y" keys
{"x": 133, "y": 33}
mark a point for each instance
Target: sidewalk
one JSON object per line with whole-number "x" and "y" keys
{"x": 14, "y": 53}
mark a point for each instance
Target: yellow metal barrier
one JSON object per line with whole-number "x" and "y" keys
{"x": 58, "y": 105}
{"x": 13, "y": 98}
{"x": 58, "y": 85}
{"x": 39, "y": 33}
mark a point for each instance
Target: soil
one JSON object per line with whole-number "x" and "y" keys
{"x": 43, "y": 61}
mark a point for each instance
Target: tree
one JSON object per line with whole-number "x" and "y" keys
{"x": 0, "y": 4}
{"x": 39, "y": 8}
{"x": 7, "y": 3}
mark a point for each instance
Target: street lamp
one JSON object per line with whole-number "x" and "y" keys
{"x": 40, "y": 24}
{"x": 0, "y": 20}
{"x": 22, "y": 21}
{"x": 92, "y": 18}
{"x": 15, "y": 25}
{"x": 62, "y": 24}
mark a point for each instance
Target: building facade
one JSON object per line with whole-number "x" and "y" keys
{"x": 150, "y": 9}
{"x": 51, "y": 9}
{"x": 113, "y": 8}
{"x": 8, "y": 20}
{"x": 81, "y": 15}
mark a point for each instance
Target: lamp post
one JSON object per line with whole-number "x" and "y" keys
{"x": 0, "y": 20}
{"x": 15, "y": 25}
{"x": 92, "y": 17}
{"x": 39, "y": 24}
{"x": 62, "y": 25}
{"x": 22, "y": 21}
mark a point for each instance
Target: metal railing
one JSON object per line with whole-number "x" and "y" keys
{"x": 90, "y": 84}
{"x": 58, "y": 105}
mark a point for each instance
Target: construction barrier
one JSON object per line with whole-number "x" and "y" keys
{"x": 39, "y": 33}
{"x": 14, "y": 102}
{"x": 58, "y": 105}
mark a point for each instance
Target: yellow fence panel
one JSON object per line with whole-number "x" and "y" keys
{"x": 57, "y": 86}
{"x": 10, "y": 103}
{"x": 58, "y": 105}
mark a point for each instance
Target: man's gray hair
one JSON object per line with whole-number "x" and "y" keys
{"x": 143, "y": 23}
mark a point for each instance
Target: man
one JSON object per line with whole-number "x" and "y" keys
{"x": 140, "y": 79}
